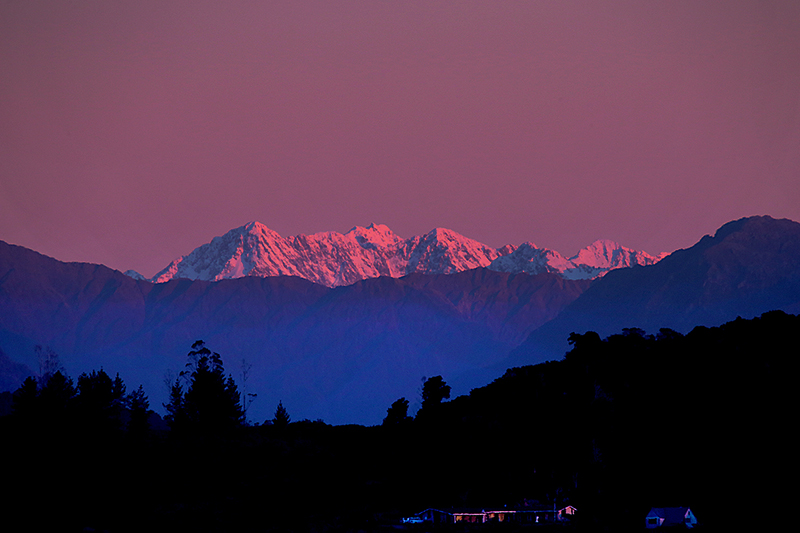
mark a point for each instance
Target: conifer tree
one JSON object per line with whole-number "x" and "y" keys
{"x": 97, "y": 405}
{"x": 174, "y": 416}
{"x": 56, "y": 401}
{"x": 139, "y": 406}
{"x": 25, "y": 400}
{"x": 281, "y": 418}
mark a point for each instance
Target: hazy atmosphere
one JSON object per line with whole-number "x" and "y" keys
{"x": 402, "y": 377}
{"x": 132, "y": 132}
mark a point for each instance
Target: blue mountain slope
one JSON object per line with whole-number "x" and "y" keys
{"x": 343, "y": 355}
{"x": 750, "y": 266}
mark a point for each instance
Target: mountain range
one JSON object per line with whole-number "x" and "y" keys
{"x": 382, "y": 313}
{"x": 334, "y": 259}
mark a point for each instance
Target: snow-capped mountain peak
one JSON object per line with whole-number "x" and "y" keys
{"x": 443, "y": 251}
{"x": 590, "y": 262}
{"x": 605, "y": 253}
{"x": 375, "y": 236}
{"x": 530, "y": 259}
{"x": 257, "y": 230}
{"x": 334, "y": 259}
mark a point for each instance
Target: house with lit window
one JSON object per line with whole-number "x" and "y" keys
{"x": 535, "y": 514}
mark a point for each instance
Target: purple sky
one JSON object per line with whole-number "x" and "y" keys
{"x": 132, "y": 132}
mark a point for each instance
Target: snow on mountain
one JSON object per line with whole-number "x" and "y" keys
{"x": 606, "y": 254}
{"x": 135, "y": 275}
{"x": 531, "y": 260}
{"x": 335, "y": 259}
{"x": 375, "y": 236}
{"x": 589, "y": 263}
{"x": 443, "y": 251}
{"x": 330, "y": 258}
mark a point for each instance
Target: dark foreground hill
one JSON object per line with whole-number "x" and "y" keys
{"x": 620, "y": 425}
{"x": 342, "y": 355}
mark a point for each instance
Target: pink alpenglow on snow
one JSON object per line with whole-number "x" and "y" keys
{"x": 334, "y": 259}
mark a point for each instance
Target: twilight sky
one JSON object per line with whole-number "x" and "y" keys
{"x": 133, "y": 131}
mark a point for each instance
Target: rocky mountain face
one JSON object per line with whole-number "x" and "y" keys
{"x": 334, "y": 259}
{"x": 589, "y": 263}
{"x": 330, "y": 259}
{"x": 748, "y": 267}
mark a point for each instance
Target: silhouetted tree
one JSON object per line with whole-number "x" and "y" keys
{"x": 118, "y": 393}
{"x": 667, "y": 334}
{"x": 281, "y": 418}
{"x": 586, "y": 342}
{"x": 397, "y": 414}
{"x": 174, "y": 407}
{"x": 100, "y": 402}
{"x": 247, "y": 397}
{"x": 139, "y": 406}
{"x": 49, "y": 363}
{"x": 25, "y": 401}
{"x": 634, "y": 332}
{"x": 48, "y": 407}
{"x": 434, "y": 392}
{"x": 211, "y": 403}
{"x": 56, "y": 399}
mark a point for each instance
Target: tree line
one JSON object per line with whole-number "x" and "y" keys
{"x": 203, "y": 401}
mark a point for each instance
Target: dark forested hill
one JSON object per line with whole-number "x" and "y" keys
{"x": 629, "y": 422}
{"x": 620, "y": 425}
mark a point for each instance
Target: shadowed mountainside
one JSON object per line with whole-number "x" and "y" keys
{"x": 748, "y": 267}
{"x": 340, "y": 354}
